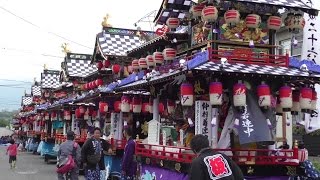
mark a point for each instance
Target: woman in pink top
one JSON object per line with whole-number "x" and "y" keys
{"x": 12, "y": 151}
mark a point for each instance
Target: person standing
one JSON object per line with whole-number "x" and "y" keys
{"x": 70, "y": 147}
{"x": 211, "y": 165}
{"x": 129, "y": 166}
{"x": 92, "y": 155}
{"x": 12, "y": 150}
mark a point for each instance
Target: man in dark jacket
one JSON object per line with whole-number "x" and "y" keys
{"x": 210, "y": 165}
{"x": 95, "y": 145}
{"x": 129, "y": 166}
{"x": 67, "y": 148}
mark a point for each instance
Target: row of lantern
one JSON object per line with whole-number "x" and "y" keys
{"x": 305, "y": 99}
{"x": 101, "y": 65}
{"x": 156, "y": 59}
{"x": 136, "y": 105}
{"x": 66, "y": 115}
{"x": 296, "y": 101}
{"x": 232, "y": 16}
{"x": 93, "y": 84}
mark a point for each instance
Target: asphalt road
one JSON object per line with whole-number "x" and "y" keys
{"x": 29, "y": 167}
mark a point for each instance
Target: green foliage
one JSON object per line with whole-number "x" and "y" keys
{"x": 316, "y": 164}
{"x": 298, "y": 130}
{"x": 6, "y": 117}
{"x": 4, "y": 123}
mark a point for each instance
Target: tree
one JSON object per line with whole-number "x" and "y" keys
{"x": 4, "y": 123}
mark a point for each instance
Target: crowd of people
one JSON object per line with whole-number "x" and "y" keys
{"x": 91, "y": 155}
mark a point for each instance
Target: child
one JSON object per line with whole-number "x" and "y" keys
{"x": 12, "y": 149}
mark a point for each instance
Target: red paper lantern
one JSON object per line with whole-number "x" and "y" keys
{"x": 264, "y": 95}
{"x": 53, "y": 115}
{"x": 232, "y": 16}
{"x": 106, "y": 63}
{"x": 143, "y": 64}
{"x": 67, "y": 115}
{"x": 86, "y": 114}
{"x": 186, "y": 90}
{"x": 117, "y": 106}
{"x": 99, "y": 82}
{"x": 145, "y": 108}
{"x": 173, "y": 23}
{"x": 296, "y": 102}
{"x": 210, "y": 14}
{"x": 103, "y": 107}
{"x": 216, "y": 91}
{"x": 161, "y": 108}
{"x": 158, "y": 58}
{"x": 82, "y": 109}
{"x": 78, "y": 113}
{"x": 274, "y": 23}
{"x": 150, "y": 61}
{"x": 314, "y": 100}
{"x": 169, "y": 54}
{"x": 170, "y": 106}
{"x": 239, "y": 95}
{"x": 285, "y": 94}
{"x": 253, "y": 21}
{"x": 135, "y": 64}
{"x": 305, "y": 98}
{"x": 46, "y": 116}
{"x": 197, "y": 10}
{"x": 116, "y": 68}
{"x": 125, "y": 103}
{"x": 99, "y": 65}
{"x": 136, "y": 104}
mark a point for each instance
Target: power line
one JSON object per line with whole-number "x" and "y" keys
{"x": 30, "y": 52}
{"x": 27, "y": 82}
{"x": 54, "y": 34}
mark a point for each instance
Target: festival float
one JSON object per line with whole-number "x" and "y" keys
{"x": 211, "y": 69}
{"x": 224, "y": 81}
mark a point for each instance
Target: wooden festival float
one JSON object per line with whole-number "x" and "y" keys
{"x": 224, "y": 81}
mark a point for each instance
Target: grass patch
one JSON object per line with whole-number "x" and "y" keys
{"x": 316, "y": 165}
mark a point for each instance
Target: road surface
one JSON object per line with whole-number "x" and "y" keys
{"x": 29, "y": 167}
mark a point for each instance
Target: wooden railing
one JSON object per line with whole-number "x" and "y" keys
{"x": 240, "y": 156}
{"x": 237, "y": 56}
{"x": 244, "y": 57}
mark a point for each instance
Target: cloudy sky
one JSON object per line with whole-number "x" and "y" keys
{"x": 27, "y": 39}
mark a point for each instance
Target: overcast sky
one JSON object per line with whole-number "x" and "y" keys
{"x": 22, "y": 44}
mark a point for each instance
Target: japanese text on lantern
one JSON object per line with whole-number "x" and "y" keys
{"x": 246, "y": 123}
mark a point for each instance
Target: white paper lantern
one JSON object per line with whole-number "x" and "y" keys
{"x": 136, "y": 105}
{"x": 314, "y": 100}
{"x": 264, "y": 95}
{"x": 285, "y": 93}
{"x": 187, "y": 96}
{"x": 215, "y": 91}
{"x": 305, "y": 98}
{"x": 125, "y": 103}
{"x": 239, "y": 95}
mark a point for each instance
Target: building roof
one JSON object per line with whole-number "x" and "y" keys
{"x": 26, "y": 100}
{"x": 78, "y": 65}
{"x": 36, "y": 90}
{"x": 50, "y": 79}
{"x": 117, "y": 42}
{"x": 172, "y": 8}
